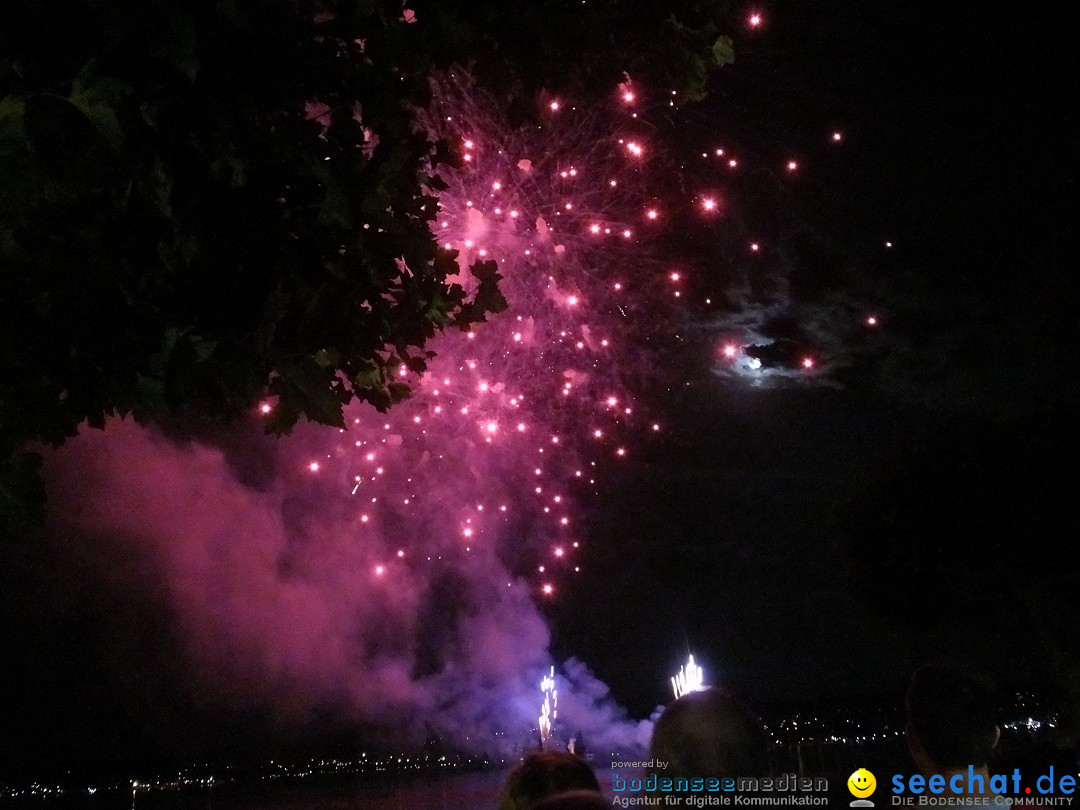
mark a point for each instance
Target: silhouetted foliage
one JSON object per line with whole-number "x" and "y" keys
{"x": 208, "y": 203}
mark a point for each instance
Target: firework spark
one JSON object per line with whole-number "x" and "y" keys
{"x": 517, "y": 408}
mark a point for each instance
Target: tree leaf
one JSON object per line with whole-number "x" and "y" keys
{"x": 12, "y": 132}
{"x": 327, "y": 358}
{"x": 723, "y": 51}
{"x": 99, "y": 98}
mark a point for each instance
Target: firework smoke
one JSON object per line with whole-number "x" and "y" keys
{"x": 393, "y": 571}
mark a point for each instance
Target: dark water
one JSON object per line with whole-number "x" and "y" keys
{"x": 477, "y": 790}
{"x": 453, "y": 790}
{"x": 463, "y": 791}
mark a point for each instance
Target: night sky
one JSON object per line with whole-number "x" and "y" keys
{"x": 825, "y": 542}
{"x": 806, "y": 537}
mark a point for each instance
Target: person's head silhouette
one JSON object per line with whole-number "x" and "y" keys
{"x": 710, "y": 734}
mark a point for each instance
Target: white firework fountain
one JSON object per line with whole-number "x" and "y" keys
{"x": 691, "y": 678}
{"x": 548, "y": 708}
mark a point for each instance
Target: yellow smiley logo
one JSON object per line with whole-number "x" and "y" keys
{"x": 861, "y": 783}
